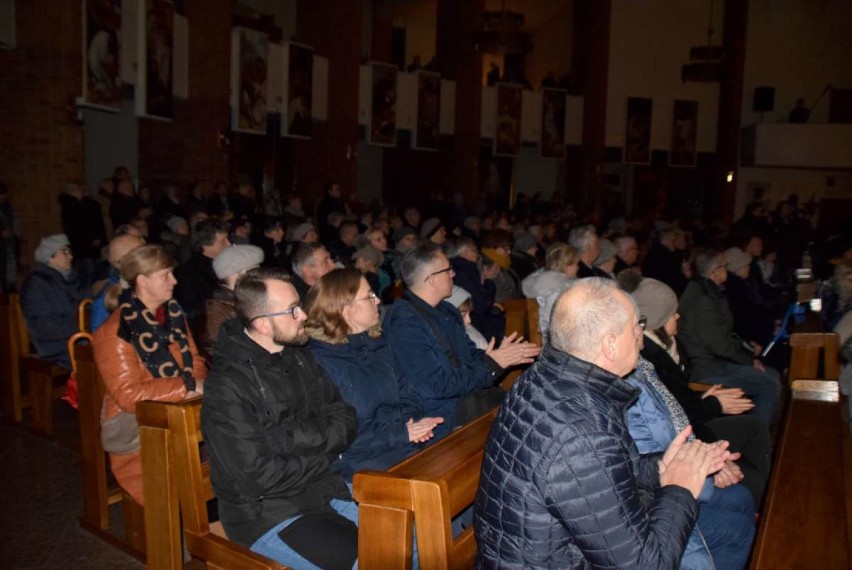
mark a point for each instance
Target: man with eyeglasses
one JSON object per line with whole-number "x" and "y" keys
{"x": 49, "y": 298}
{"x": 272, "y": 423}
{"x": 453, "y": 379}
{"x": 714, "y": 352}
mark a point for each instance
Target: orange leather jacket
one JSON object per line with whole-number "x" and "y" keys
{"x": 126, "y": 377}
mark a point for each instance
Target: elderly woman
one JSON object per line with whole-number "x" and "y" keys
{"x": 144, "y": 351}
{"x": 343, "y": 323}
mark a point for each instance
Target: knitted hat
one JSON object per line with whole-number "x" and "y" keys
{"x": 608, "y": 251}
{"x": 48, "y": 246}
{"x": 236, "y": 259}
{"x": 399, "y": 234}
{"x": 369, "y": 253}
{"x": 302, "y": 230}
{"x": 737, "y": 258}
{"x": 430, "y": 228}
{"x": 174, "y": 222}
{"x": 524, "y": 241}
{"x": 458, "y": 296}
{"x": 656, "y": 301}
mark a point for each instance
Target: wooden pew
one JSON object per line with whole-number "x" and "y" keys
{"x": 98, "y": 492}
{"x": 170, "y": 434}
{"x": 45, "y": 380}
{"x": 806, "y": 520}
{"x": 427, "y": 489}
{"x": 533, "y": 330}
{"x": 809, "y": 350}
{"x": 84, "y": 316}
{"x": 516, "y": 316}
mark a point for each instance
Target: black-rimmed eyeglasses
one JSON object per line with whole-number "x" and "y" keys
{"x": 294, "y": 312}
{"x": 449, "y": 270}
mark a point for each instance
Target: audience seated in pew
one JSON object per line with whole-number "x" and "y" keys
{"x": 717, "y": 413}
{"x": 452, "y": 378}
{"x": 562, "y": 483}
{"x": 464, "y": 256}
{"x": 311, "y": 261}
{"x": 496, "y": 250}
{"x": 346, "y": 340}
{"x": 714, "y": 352}
{"x": 272, "y": 421}
{"x": 460, "y": 299}
{"x": 144, "y": 351}
{"x": 196, "y": 278}
{"x": 49, "y": 298}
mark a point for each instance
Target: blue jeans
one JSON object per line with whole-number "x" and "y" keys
{"x": 727, "y": 523}
{"x": 764, "y": 388}
{"x": 273, "y": 547}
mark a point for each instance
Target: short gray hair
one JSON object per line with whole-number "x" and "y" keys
{"x": 415, "y": 260}
{"x": 304, "y": 255}
{"x": 575, "y": 327}
{"x": 706, "y": 261}
{"x": 460, "y": 245}
{"x": 582, "y": 237}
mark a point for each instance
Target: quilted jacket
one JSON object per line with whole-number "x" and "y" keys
{"x": 561, "y": 478}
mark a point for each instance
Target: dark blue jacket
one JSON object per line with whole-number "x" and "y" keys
{"x": 561, "y": 478}
{"x": 487, "y": 319}
{"x": 369, "y": 380}
{"x": 49, "y": 303}
{"x": 436, "y": 380}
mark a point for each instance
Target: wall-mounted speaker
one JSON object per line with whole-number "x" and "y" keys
{"x": 764, "y": 99}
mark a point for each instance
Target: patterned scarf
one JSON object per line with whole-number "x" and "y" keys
{"x": 676, "y": 412}
{"x": 139, "y": 327}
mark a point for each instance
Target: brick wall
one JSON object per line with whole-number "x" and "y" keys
{"x": 42, "y": 144}
{"x": 186, "y": 149}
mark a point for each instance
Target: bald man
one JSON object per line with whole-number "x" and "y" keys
{"x": 562, "y": 478}
{"x": 117, "y": 249}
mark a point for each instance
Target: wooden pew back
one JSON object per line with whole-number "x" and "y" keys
{"x": 806, "y": 521}
{"x": 170, "y": 434}
{"x": 811, "y": 349}
{"x": 14, "y": 346}
{"x": 98, "y": 493}
{"x": 516, "y": 316}
{"x": 428, "y": 488}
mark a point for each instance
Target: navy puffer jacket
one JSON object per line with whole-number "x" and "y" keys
{"x": 372, "y": 382}
{"x": 49, "y": 304}
{"x": 561, "y": 478}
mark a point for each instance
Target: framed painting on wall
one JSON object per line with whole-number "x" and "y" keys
{"x": 426, "y": 133}
{"x": 298, "y": 90}
{"x": 552, "y": 143}
{"x": 102, "y": 54}
{"x": 507, "y": 137}
{"x": 156, "y": 56}
{"x": 381, "y": 121}
{"x": 684, "y": 134}
{"x": 637, "y": 138}
{"x": 249, "y": 60}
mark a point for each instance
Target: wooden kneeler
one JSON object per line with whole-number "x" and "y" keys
{"x": 98, "y": 493}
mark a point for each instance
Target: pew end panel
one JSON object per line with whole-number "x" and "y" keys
{"x": 812, "y": 352}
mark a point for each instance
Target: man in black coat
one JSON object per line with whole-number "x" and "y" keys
{"x": 562, "y": 478}
{"x": 83, "y": 223}
{"x": 196, "y": 279}
{"x": 273, "y": 422}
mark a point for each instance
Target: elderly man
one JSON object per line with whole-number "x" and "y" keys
{"x": 49, "y": 298}
{"x": 118, "y": 247}
{"x": 563, "y": 485}
{"x": 627, "y": 252}
{"x": 586, "y": 241}
{"x": 453, "y": 379}
{"x": 272, "y": 422}
{"x": 310, "y": 262}
{"x": 714, "y": 351}
{"x": 196, "y": 279}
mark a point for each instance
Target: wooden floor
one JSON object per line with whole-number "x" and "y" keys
{"x": 806, "y": 518}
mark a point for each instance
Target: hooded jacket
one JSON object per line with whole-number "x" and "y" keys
{"x": 561, "y": 478}
{"x": 273, "y": 423}
{"x": 370, "y": 379}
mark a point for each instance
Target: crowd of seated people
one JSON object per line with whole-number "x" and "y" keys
{"x": 344, "y": 341}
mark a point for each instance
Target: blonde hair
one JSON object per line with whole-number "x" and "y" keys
{"x": 144, "y": 260}
{"x": 560, "y": 255}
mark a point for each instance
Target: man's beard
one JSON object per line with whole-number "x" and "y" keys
{"x": 281, "y": 339}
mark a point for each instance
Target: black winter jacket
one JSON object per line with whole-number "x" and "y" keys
{"x": 272, "y": 423}
{"x": 561, "y": 478}
{"x": 49, "y": 303}
{"x": 196, "y": 281}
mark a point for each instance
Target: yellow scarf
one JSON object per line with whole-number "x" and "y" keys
{"x": 502, "y": 261}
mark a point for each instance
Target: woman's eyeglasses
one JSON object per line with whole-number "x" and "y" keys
{"x": 371, "y": 297}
